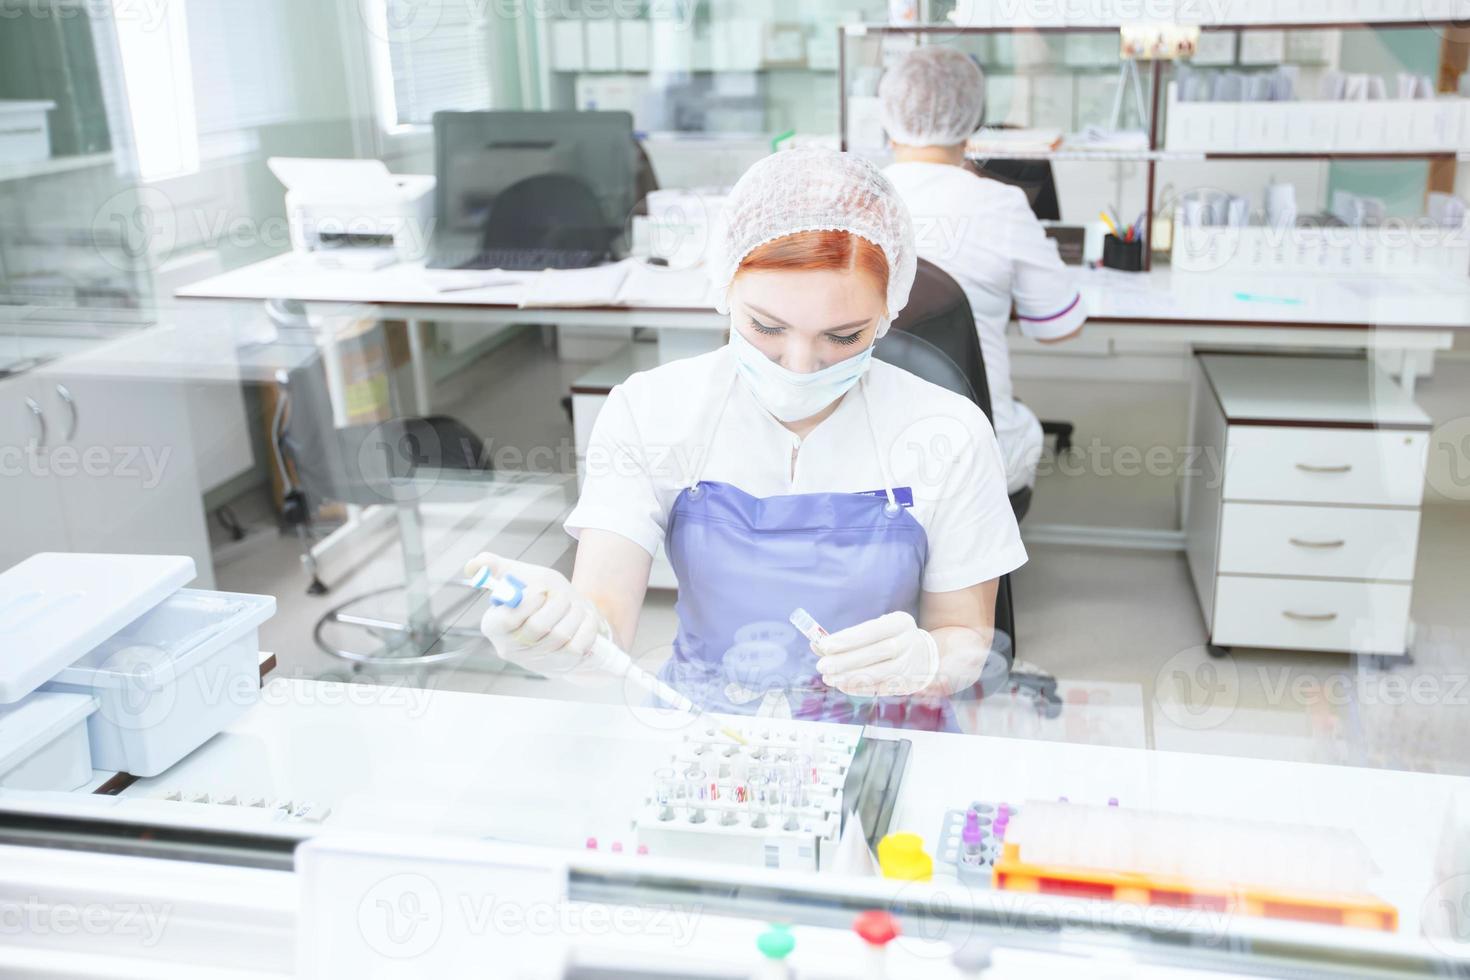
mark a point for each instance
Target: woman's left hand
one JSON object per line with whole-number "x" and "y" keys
{"x": 885, "y": 657}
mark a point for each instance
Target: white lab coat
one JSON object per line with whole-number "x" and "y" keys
{"x": 983, "y": 233}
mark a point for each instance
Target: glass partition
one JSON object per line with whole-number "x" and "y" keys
{"x": 1218, "y": 720}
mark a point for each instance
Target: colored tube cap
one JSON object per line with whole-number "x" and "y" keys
{"x": 971, "y": 834}
{"x": 902, "y": 856}
{"x": 777, "y": 942}
{"x": 877, "y": 927}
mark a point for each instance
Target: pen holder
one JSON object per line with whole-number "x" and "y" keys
{"x": 1118, "y": 254}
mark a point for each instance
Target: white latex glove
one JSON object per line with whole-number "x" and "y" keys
{"x": 553, "y": 628}
{"x": 884, "y": 657}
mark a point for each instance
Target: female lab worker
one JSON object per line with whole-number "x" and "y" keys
{"x": 790, "y": 469}
{"x": 980, "y": 231}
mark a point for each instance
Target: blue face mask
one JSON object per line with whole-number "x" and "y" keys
{"x": 789, "y": 395}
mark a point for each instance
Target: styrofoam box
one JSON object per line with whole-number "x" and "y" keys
{"x": 1302, "y": 127}
{"x": 25, "y": 132}
{"x": 171, "y": 680}
{"x": 43, "y": 742}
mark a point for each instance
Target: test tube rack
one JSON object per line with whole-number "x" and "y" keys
{"x": 949, "y": 849}
{"x": 775, "y": 801}
{"x": 1150, "y": 858}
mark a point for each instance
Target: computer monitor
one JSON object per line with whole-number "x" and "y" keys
{"x": 533, "y": 180}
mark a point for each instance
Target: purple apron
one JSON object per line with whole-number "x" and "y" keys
{"x": 744, "y": 563}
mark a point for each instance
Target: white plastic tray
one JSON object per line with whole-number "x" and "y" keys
{"x": 172, "y": 679}
{"x": 56, "y": 607}
{"x": 43, "y": 742}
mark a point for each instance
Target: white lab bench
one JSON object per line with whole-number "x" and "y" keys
{"x": 553, "y": 773}
{"x": 1418, "y": 313}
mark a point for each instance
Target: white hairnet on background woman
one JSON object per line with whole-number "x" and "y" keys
{"x": 935, "y": 96}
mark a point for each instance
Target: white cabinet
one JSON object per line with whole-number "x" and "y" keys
{"x": 1302, "y": 511}
{"x": 96, "y": 463}
{"x": 31, "y": 518}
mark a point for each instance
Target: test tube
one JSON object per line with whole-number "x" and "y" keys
{"x": 696, "y": 784}
{"x": 728, "y": 805}
{"x": 664, "y": 782}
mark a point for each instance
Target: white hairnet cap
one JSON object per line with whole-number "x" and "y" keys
{"x": 935, "y": 96}
{"x": 814, "y": 189}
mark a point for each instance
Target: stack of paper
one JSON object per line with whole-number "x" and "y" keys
{"x": 596, "y": 286}
{"x": 1014, "y": 141}
{"x": 651, "y": 285}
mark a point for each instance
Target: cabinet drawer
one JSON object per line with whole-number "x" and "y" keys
{"x": 1330, "y": 466}
{"x": 1334, "y": 542}
{"x": 1302, "y": 614}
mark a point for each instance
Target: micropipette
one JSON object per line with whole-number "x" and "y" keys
{"x": 606, "y": 655}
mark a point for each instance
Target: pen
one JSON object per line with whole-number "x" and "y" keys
{"x": 1103, "y": 214}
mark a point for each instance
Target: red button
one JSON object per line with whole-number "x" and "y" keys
{"x": 877, "y": 928}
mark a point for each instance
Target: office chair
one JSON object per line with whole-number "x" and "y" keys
{"x": 552, "y": 211}
{"x": 1035, "y": 179}
{"x": 934, "y": 338}
{"x": 399, "y": 463}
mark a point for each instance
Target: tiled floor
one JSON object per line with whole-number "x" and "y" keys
{"x": 1121, "y": 630}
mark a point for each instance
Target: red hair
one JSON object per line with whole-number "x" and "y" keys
{"x": 806, "y": 251}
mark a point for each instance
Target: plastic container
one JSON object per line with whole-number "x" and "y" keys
{"x": 25, "y": 133}
{"x": 43, "y": 742}
{"x": 171, "y": 680}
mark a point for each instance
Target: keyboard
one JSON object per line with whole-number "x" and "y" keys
{"x": 523, "y": 258}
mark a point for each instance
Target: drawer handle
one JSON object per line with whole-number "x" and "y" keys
{"x": 1318, "y": 544}
{"x": 1309, "y": 617}
{"x": 1309, "y": 468}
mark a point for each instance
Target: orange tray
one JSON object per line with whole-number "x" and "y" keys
{"x": 1358, "y": 911}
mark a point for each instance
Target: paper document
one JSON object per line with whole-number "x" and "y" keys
{"x": 456, "y": 280}
{"x": 596, "y": 286}
{"x": 651, "y": 285}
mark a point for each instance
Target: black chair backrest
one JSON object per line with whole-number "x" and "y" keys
{"x": 938, "y": 313}
{"x": 548, "y": 211}
{"x": 934, "y": 338}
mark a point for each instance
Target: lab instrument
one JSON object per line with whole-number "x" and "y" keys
{"x": 606, "y": 655}
{"x": 354, "y": 214}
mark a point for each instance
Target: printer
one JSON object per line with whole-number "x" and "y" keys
{"x": 354, "y": 214}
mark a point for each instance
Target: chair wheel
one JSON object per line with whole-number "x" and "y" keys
{"x": 317, "y": 587}
{"x": 1064, "y": 445}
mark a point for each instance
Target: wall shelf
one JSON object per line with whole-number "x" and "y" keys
{"x": 55, "y": 165}
{"x": 1154, "y": 72}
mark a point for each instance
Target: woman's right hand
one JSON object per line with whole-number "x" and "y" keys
{"x": 552, "y": 630}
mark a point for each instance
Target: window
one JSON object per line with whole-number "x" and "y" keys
{"x": 428, "y": 56}
{"x": 160, "y": 90}
{"x": 240, "y": 55}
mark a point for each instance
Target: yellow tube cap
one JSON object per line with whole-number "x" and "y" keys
{"x": 902, "y": 856}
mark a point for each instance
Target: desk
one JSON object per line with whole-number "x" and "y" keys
{"x": 1410, "y": 313}
{"x": 410, "y": 760}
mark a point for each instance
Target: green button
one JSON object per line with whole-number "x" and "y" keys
{"x": 776, "y": 942}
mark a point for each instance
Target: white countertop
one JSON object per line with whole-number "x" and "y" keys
{"x": 554, "y": 773}
{"x": 1160, "y": 296}
{"x": 1333, "y": 390}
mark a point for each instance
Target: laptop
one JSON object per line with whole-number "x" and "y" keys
{"x": 532, "y": 190}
